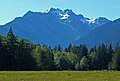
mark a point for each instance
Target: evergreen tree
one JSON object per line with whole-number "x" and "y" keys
{"x": 74, "y": 50}
{"x": 25, "y": 59}
{"x": 92, "y": 58}
{"x": 116, "y": 60}
{"x": 37, "y": 55}
{"x": 69, "y": 47}
{"x": 101, "y": 57}
{"x": 83, "y": 51}
{"x": 59, "y": 48}
{"x": 47, "y": 58}
{"x": 2, "y": 53}
{"x": 55, "y": 49}
{"x": 109, "y": 55}
{"x": 12, "y": 46}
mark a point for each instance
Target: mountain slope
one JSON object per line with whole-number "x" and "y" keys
{"x": 108, "y": 33}
{"x": 97, "y": 22}
{"x": 40, "y": 28}
{"x": 51, "y": 27}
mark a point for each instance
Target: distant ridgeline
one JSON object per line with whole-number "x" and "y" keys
{"x": 57, "y": 26}
{"x": 20, "y": 54}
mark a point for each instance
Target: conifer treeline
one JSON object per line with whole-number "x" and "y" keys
{"x": 20, "y": 54}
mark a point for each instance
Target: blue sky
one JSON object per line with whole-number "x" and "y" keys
{"x": 9, "y": 9}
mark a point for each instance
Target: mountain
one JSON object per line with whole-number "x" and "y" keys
{"x": 97, "y": 22}
{"x": 40, "y": 28}
{"x": 108, "y": 34}
{"x": 52, "y": 27}
{"x": 72, "y": 20}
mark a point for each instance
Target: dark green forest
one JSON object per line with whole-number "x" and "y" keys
{"x": 21, "y": 54}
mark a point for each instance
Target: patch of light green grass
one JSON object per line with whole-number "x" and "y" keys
{"x": 59, "y": 76}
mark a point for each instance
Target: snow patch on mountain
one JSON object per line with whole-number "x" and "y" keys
{"x": 91, "y": 21}
{"x": 64, "y": 16}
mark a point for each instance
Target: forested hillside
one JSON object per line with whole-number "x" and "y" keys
{"x": 21, "y": 54}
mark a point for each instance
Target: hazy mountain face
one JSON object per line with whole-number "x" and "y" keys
{"x": 53, "y": 26}
{"x": 108, "y": 34}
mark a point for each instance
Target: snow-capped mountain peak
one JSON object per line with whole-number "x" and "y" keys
{"x": 99, "y": 20}
{"x": 96, "y": 22}
{"x": 68, "y": 15}
{"x": 54, "y": 11}
{"x": 70, "y": 12}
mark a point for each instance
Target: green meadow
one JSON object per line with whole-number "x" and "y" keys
{"x": 59, "y": 76}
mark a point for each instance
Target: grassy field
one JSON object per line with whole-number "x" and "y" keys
{"x": 59, "y": 76}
